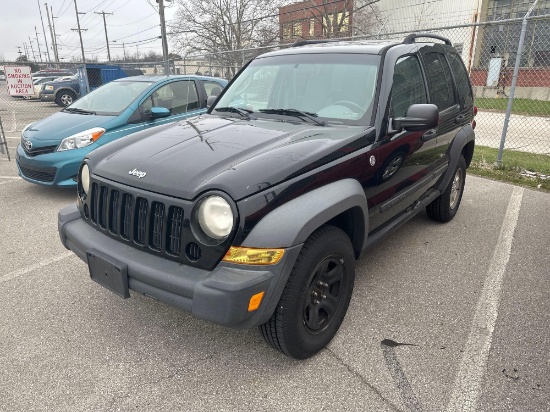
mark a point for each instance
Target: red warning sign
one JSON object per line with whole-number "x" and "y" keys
{"x": 19, "y": 80}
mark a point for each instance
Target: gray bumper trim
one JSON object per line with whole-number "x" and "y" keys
{"x": 220, "y": 296}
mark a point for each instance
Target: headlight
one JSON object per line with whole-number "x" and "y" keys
{"x": 85, "y": 178}
{"x": 48, "y": 87}
{"x": 82, "y": 139}
{"x": 215, "y": 217}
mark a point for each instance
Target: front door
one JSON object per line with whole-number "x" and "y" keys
{"x": 406, "y": 159}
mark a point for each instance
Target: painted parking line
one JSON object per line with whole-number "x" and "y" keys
{"x": 36, "y": 266}
{"x": 476, "y": 352}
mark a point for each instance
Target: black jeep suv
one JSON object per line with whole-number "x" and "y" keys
{"x": 255, "y": 213}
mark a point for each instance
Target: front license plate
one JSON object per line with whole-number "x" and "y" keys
{"x": 108, "y": 272}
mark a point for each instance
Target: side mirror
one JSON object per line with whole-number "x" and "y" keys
{"x": 211, "y": 100}
{"x": 157, "y": 112}
{"x": 418, "y": 117}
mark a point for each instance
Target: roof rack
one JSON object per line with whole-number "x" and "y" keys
{"x": 299, "y": 43}
{"x": 411, "y": 38}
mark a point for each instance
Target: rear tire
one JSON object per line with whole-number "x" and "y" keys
{"x": 444, "y": 207}
{"x": 316, "y": 296}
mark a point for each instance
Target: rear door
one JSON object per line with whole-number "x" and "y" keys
{"x": 442, "y": 93}
{"x": 180, "y": 97}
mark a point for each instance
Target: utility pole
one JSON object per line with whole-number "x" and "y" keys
{"x": 38, "y": 44}
{"x": 79, "y": 30}
{"x": 19, "y": 51}
{"x": 44, "y": 30}
{"x": 124, "y": 50}
{"x": 51, "y": 32}
{"x": 32, "y": 49}
{"x": 164, "y": 41}
{"x": 106, "y": 38}
{"x": 55, "y": 46}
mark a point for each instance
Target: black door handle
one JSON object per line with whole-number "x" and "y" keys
{"x": 429, "y": 135}
{"x": 460, "y": 118}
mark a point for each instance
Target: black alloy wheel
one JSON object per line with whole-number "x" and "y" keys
{"x": 316, "y": 296}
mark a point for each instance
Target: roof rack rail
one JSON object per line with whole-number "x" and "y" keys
{"x": 411, "y": 38}
{"x": 299, "y": 43}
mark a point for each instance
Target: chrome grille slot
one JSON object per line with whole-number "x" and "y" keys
{"x": 126, "y": 216}
{"x": 102, "y": 215}
{"x": 157, "y": 225}
{"x": 114, "y": 211}
{"x": 140, "y": 225}
{"x": 175, "y": 224}
{"x": 93, "y": 203}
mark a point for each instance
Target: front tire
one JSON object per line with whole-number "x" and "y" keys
{"x": 65, "y": 98}
{"x": 444, "y": 207}
{"x": 316, "y": 296}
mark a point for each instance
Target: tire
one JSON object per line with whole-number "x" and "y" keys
{"x": 65, "y": 98}
{"x": 316, "y": 296}
{"x": 444, "y": 207}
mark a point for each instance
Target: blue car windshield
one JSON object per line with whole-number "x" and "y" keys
{"x": 110, "y": 99}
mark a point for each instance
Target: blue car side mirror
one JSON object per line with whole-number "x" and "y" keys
{"x": 157, "y": 112}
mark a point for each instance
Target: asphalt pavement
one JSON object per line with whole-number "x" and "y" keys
{"x": 443, "y": 317}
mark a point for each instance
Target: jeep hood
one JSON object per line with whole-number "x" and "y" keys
{"x": 61, "y": 125}
{"x": 238, "y": 157}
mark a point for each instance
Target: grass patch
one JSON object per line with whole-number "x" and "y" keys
{"x": 521, "y": 168}
{"x": 521, "y": 106}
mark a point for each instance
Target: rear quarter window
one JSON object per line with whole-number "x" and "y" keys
{"x": 465, "y": 96}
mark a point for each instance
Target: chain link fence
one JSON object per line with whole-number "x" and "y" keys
{"x": 488, "y": 49}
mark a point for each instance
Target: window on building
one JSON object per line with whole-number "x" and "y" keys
{"x": 297, "y": 29}
{"x": 312, "y": 27}
{"x": 287, "y": 31}
{"x": 330, "y": 25}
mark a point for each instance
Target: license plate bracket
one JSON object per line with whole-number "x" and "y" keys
{"x": 109, "y": 272}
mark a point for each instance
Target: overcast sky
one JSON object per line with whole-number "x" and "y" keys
{"x": 134, "y": 22}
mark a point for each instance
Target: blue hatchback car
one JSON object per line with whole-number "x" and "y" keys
{"x": 52, "y": 149}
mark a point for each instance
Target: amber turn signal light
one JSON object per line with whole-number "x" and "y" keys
{"x": 255, "y": 301}
{"x": 252, "y": 256}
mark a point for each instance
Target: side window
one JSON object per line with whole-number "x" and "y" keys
{"x": 178, "y": 97}
{"x": 185, "y": 97}
{"x": 440, "y": 80}
{"x": 212, "y": 88}
{"x": 408, "y": 86}
{"x": 462, "y": 80}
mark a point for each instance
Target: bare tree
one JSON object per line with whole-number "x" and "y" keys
{"x": 218, "y": 27}
{"x": 338, "y": 18}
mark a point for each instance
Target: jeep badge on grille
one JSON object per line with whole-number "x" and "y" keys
{"x": 137, "y": 173}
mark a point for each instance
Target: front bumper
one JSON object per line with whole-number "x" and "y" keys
{"x": 47, "y": 97}
{"x": 220, "y": 296}
{"x": 51, "y": 169}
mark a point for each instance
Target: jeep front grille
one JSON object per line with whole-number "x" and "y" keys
{"x": 145, "y": 223}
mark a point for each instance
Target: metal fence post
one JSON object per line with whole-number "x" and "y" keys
{"x": 3, "y": 141}
{"x": 514, "y": 82}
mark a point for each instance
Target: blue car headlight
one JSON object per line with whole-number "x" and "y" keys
{"x": 82, "y": 139}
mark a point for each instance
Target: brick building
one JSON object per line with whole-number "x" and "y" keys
{"x": 315, "y": 19}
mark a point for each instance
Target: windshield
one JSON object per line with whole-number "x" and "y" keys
{"x": 337, "y": 87}
{"x": 112, "y": 98}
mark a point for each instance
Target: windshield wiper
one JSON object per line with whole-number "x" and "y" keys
{"x": 79, "y": 111}
{"x": 296, "y": 113}
{"x": 243, "y": 112}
